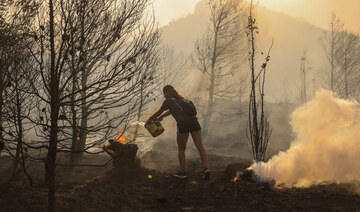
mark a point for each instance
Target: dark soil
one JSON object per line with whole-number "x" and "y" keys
{"x": 141, "y": 189}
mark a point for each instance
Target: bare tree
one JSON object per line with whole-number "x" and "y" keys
{"x": 6, "y": 54}
{"x": 303, "y": 73}
{"x": 148, "y": 85}
{"x": 87, "y": 55}
{"x": 4, "y": 37}
{"x": 173, "y": 67}
{"x": 218, "y": 54}
{"x": 330, "y": 42}
{"x": 18, "y": 105}
{"x": 348, "y": 60}
{"x": 91, "y": 52}
{"x": 258, "y": 132}
{"x": 342, "y": 49}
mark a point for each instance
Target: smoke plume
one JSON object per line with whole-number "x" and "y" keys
{"x": 326, "y": 147}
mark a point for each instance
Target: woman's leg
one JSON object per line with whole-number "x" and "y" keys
{"x": 197, "y": 138}
{"x": 182, "y": 140}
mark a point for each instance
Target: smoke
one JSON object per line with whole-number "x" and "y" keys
{"x": 146, "y": 142}
{"x": 326, "y": 148}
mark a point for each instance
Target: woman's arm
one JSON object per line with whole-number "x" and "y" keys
{"x": 167, "y": 113}
{"x": 154, "y": 116}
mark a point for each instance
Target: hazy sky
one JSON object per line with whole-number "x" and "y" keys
{"x": 167, "y": 10}
{"x": 316, "y": 12}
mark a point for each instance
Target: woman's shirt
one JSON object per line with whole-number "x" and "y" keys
{"x": 175, "y": 109}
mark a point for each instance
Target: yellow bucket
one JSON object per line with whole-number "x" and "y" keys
{"x": 155, "y": 128}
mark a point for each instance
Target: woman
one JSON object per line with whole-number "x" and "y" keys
{"x": 185, "y": 124}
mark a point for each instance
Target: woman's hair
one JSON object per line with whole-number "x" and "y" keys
{"x": 173, "y": 92}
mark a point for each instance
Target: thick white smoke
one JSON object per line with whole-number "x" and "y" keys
{"x": 327, "y": 145}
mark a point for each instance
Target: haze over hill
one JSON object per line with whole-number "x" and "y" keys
{"x": 291, "y": 39}
{"x": 317, "y": 12}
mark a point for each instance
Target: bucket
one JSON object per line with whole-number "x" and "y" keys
{"x": 155, "y": 128}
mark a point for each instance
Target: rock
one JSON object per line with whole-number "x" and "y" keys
{"x": 232, "y": 169}
{"x": 248, "y": 175}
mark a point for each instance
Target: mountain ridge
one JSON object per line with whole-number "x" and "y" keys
{"x": 292, "y": 38}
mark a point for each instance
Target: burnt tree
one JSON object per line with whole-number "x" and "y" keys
{"x": 258, "y": 131}
{"x": 85, "y": 54}
{"x": 217, "y": 53}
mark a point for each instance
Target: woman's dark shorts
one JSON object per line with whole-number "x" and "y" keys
{"x": 190, "y": 124}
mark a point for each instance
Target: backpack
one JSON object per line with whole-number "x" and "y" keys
{"x": 187, "y": 106}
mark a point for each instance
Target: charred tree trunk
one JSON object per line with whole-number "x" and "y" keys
{"x": 217, "y": 53}
{"x": 51, "y": 157}
{"x": 18, "y": 123}
{"x": 253, "y": 101}
{"x": 20, "y": 134}
{"x": 54, "y": 114}
{"x": 1, "y": 101}
{"x": 258, "y": 132}
{"x": 209, "y": 112}
{"x": 84, "y": 116}
{"x": 75, "y": 133}
{"x": 74, "y": 121}
{"x": 81, "y": 142}
{"x": 303, "y": 79}
{"x": 332, "y": 58}
{"x": 346, "y": 84}
{"x": 17, "y": 156}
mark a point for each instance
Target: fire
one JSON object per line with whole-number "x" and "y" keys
{"x": 236, "y": 178}
{"x": 121, "y": 139}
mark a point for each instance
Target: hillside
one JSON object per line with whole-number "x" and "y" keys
{"x": 291, "y": 38}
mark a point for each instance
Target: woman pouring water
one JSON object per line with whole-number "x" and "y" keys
{"x": 184, "y": 113}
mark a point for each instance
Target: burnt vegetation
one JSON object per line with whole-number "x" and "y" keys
{"x": 76, "y": 73}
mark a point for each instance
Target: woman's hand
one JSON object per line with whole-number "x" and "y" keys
{"x": 148, "y": 122}
{"x": 156, "y": 115}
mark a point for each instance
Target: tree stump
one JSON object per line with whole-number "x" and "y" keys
{"x": 124, "y": 155}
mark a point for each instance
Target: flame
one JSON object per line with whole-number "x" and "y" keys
{"x": 121, "y": 139}
{"x": 237, "y": 176}
{"x": 78, "y": 136}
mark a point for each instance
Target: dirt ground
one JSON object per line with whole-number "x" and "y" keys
{"x": 142, "y": 189}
